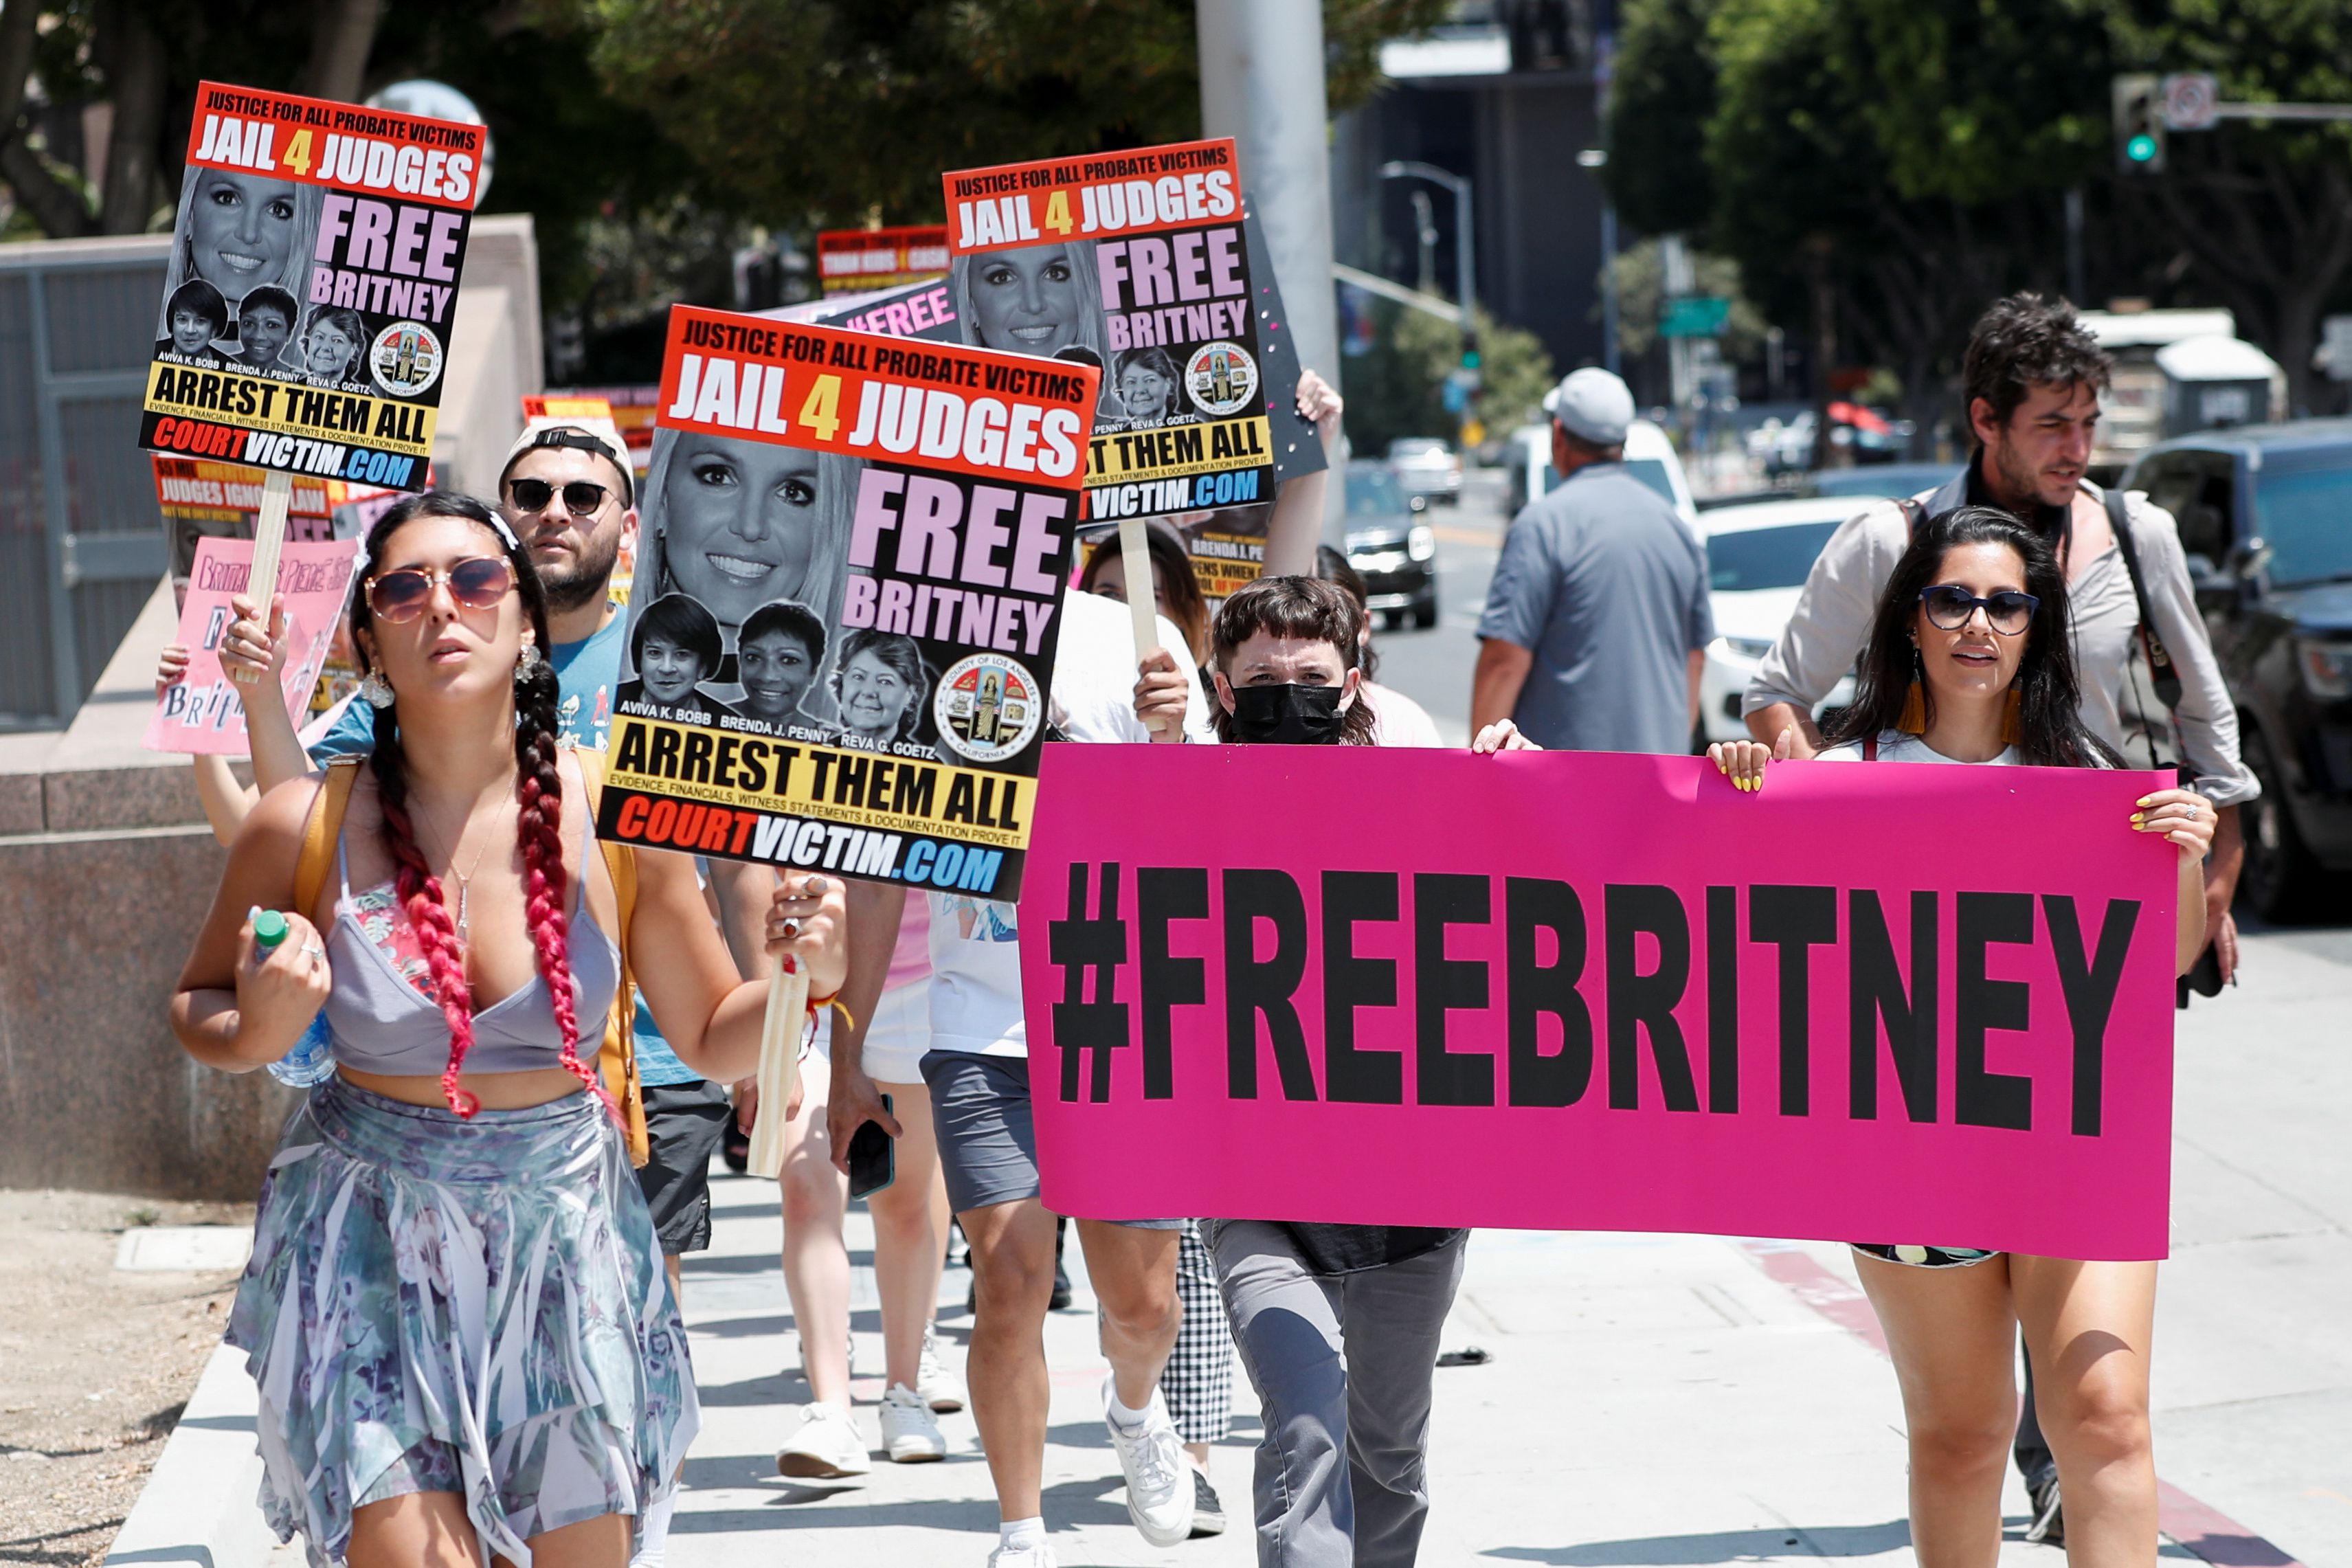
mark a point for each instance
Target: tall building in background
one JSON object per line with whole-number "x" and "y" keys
{"x": 1505, "y": 93}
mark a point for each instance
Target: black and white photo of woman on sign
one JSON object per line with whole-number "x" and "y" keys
{"x": 741, "y": 563}
{"x": 1040, "y": 299}
{"x": 1050, "y": 300}
{"x": 253, "y": 286}
{"x": 741, "y": 617}
{"x": 240, "y": 268}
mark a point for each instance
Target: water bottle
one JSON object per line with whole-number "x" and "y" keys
{"x": 312, "y": 1060}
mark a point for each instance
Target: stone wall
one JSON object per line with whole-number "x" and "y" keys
{"x": 106, "y": 870}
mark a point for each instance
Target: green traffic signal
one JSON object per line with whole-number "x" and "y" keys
{"x": 2141, "y": 149}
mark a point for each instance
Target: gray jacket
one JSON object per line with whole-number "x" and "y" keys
{"x": 1825, "y": 635}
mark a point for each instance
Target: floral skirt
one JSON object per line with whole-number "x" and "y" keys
{"x": 470, "y": 1307}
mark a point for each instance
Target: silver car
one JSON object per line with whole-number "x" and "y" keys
{"x": 1424, "y": 467}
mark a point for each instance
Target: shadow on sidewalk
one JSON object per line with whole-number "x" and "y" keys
{"x": 1727, "y": 1546}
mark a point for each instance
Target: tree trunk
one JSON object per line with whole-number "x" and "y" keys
{"x": 19, "y": 24}
{"x": 138, "y": 73}
{"x": 57, "y": 206}
{"x": 342, "y": 35}
{"x": 1825, "y": 296}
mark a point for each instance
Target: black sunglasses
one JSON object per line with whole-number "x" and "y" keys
{"x": 582, "y": 497}
{"x": 1949, "y": 606}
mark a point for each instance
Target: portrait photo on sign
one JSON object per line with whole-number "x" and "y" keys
{"x": 1040, "y": 299}
{"x": 240, "y": 263}
{"x": 741, "y": 566}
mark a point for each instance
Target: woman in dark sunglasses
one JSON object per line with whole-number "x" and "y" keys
{"x": 1969, "y": 662}
{"x": 457, "y": 1313}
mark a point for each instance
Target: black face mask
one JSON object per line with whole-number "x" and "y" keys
{"x": 1287, "y": 715}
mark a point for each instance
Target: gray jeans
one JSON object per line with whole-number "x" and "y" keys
{"x": 1299, "y": 1335}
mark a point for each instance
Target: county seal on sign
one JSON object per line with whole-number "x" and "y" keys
{"x": 988, "y": 707}
{"x": 405, "y": 359}
{"x": 1220, "y": 378}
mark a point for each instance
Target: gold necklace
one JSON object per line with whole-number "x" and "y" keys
{"x": 465, "y": 877}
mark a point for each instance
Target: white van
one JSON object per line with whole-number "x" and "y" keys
{"x": 1649, "y": 458}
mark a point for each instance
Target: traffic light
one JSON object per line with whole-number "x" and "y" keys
{"x": 2140, "y": 125}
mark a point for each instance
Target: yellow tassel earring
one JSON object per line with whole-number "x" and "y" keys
{"x": 1914, "y": 717}
{"x": 2012, "y": 718}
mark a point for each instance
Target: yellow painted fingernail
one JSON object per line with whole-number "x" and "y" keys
{"x": 2144, "y": 802}
{"x": 2139, "y": 821}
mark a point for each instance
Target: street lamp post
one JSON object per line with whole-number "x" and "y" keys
{"x": 1463, "y": 252}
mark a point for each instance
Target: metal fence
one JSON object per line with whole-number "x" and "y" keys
{"x": 80, "y": 542}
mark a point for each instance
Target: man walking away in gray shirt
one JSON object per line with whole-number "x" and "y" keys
{"x": 1598, "y": 618}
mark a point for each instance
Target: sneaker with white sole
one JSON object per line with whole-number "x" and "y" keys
{"x": 1158, "y": 1484}
{"x": 1038, "y": 1556}
{"x": 827, "y": 1446}
{"x": 941, "y": 1389}
{"x": 911, "y": 1433}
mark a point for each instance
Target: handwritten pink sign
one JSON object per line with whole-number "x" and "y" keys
{"x": 1884, "y": 1003}
{"x": 204, "y": 711}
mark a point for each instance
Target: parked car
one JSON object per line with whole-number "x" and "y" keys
{"x": 1892, "y": 481}
{"x": 1650, "y": 458}
{"x": 1425, "y": 466}
{"x": 1756, "y": 558}
{"x": 2265, "y": 519}
{"x": 1391, "y": 545}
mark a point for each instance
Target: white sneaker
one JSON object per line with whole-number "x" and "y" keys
{"x": 1159, "y": 1488}
{"x": 941, "y": 1389}
{"x": 1038, "y": 1556}
{"x": 826, "y": 1445}
{"x": 911, "y": 1433}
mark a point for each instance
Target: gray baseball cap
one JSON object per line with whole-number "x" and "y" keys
{"x": 1592, "y": 406}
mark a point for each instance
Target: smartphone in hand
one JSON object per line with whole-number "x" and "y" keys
{"x": 872, "y": 1156}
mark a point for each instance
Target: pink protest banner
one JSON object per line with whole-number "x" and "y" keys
{"x": 204, "y": 711}
{"x": 1895, "y": 1004}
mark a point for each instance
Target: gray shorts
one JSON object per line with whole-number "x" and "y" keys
{"x": 988, "y": 1140}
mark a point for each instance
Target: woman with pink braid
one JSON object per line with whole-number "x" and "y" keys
{"x": 456, "y": 1313}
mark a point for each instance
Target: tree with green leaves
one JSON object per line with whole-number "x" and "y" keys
{"x": 1398, "y": 389}
{"x": 1883, "y": 171}
{"x": 836, "y": 108}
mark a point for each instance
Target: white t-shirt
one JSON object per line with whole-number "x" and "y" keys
{"x": 1398, "y": 720}
{"x": 976, "y": 943}
{"x": 1895, "y": 746}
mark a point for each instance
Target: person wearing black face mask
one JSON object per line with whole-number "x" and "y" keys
{"x": 1342, "y": 1472}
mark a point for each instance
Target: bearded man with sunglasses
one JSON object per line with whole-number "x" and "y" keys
{"x": 2033, "y": 373}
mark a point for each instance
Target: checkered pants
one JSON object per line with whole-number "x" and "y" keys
{"x": 1198, "y": 1382}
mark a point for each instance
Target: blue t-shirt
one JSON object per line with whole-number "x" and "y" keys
{"x": 585, "y": 674}
{"x": 1603, "y": 582}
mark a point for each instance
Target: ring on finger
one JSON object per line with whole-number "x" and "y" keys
{"x": 791, "y": 928}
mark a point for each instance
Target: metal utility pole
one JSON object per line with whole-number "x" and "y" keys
{"x": 1424, "y": 223}
{"x": 1464, "y": 264}
{"x": 1262, "y": 84}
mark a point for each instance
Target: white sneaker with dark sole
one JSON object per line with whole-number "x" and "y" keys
{"x": 1159, "y": 1483}
{"x": 941, "y": 1389}
{"x": 826, "y": 1447}
{"x": 911, "y": 1433}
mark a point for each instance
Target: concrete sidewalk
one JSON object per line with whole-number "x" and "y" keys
{"x": 1652, "y": 1399}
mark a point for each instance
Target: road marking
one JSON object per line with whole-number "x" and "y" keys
{"x": 1452, "y": 535}
{"x": 2205, "y": 1533}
